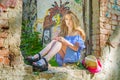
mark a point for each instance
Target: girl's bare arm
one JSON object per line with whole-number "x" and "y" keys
{"x": 67, "y": 43}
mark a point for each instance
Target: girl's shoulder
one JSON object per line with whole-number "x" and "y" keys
{"x": 81, "y": 33}
{"x": 76, "y": 32}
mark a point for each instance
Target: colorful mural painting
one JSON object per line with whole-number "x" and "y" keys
{"x": 49, "y": 15}
{"x": 52, "y": 20}
{"x": 55, "y": 12}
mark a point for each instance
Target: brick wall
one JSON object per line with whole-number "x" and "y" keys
{"x": 5, "y": 6}
{"x": 109, "y": 20}
{"x": 11, "y": 60}
{"x": 9, "y": 23}
{"x": 105, "y": 19}
{"x": 4, "y": 52}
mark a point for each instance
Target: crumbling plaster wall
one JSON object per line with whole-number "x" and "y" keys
{"x": 11, "y": 60}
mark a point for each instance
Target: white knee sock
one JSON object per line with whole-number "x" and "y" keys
{"x": 46, "y": 49}
{"x": 54, "y": 50}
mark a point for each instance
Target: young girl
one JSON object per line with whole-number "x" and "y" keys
{"x": 66, "y": 46}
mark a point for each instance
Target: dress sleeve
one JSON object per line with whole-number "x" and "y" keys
{"x": 81, "y": 43}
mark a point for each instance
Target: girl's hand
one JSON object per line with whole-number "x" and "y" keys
{"x": 55, "y": 38}
{"x": 76, "y": 44}
{"x": 61, "y": 39}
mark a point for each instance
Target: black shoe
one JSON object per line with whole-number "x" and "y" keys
{"x": 37, "y": 66}
{"x": 31, "y": 59}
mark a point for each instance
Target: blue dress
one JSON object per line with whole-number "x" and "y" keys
{"x": 71, "y": 56}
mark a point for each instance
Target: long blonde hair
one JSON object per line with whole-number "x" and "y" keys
{"x": 76, "y": 25}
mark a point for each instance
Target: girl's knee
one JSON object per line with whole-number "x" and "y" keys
{"x": 59, "y": 43}
{"x": 53, "y": 41}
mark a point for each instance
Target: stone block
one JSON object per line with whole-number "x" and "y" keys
{"x": 1, "y": 42}
{"x": 4, "y": 55}
{"x": 3, "y": 34}
{"x": 114, "y": 16}
{"x": 113, "y": 27}
{"x": 102, "y": 37}
{"x": 4, "y": 52}
{"x": 4, "y": 60}
{"x": 3, "y": 23}
{"x": 102, "y": 43}
{"x": 12, "y": 3}
{"x": 108, "y": 26}
{"x": 104, "y": 31}
{"x": 28, "y": 69}
{"x": 103, "y": 19}
{"x": 114, "y": 22}
{"x": 102, "y": 25}
{"x": 105, "y": 8}
{"x": 3, "y": 15}
{"x": 1, "y": 59}
{"x": 63, "y": 73}
{"x": 108, "y": 20}
{"x": 12, "y": 14}
{"x": 112, "y": 1}
{"x": 102, "y": 13}
{"x": 103, "y": 3}
{"x": 119, "y": 18}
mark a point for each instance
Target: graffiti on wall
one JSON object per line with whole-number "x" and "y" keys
{"x": 54, "y": 11}
{"x": 49, "y": 15}
{"x": 52, "y": 20}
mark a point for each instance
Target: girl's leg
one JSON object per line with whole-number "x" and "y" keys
{"x": 62, "y": 51}
{"x": 60, "y": 55}
{"x": 44, "y": 61}
{"x": 54, "y": 50}
{"x": 38, "y": 56}
{"x": 46, "y": 49}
